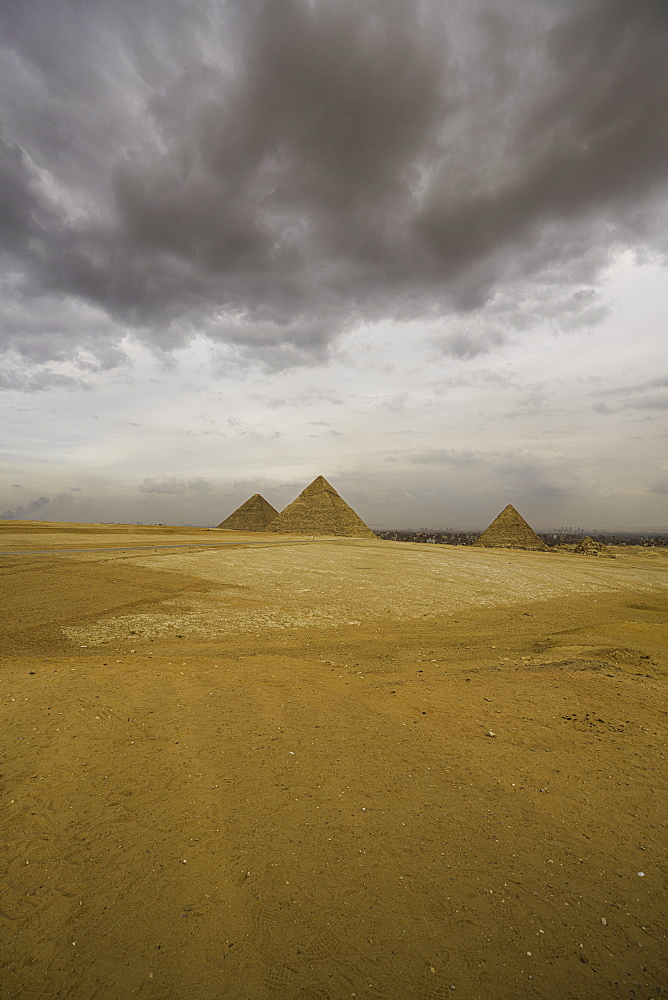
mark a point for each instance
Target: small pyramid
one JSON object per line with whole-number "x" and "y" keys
{"x": 588, "y": 547}
{"x": 510, "y": 531}
{"x": 253, "y": 515}
{"x": 319, "y": 510}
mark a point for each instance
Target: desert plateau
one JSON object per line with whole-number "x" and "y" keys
{"x": 257, "y": 766}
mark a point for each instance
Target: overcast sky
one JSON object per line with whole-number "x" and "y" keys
{"x": 419, "y": 248}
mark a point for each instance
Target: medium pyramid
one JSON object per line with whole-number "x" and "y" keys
{"x": 510, "y": 531}
{"x": 319, "y": 510}
{"x": 253, "y": 515}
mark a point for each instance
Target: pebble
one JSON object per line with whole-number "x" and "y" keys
{"x": 604, "y": 921}
{"x": 490, "y": 733}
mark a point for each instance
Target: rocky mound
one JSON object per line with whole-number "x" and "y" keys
{"x": 253, "y": 515}
{"x": 319, "y": 510}
{"x": 589, "y": 547}
{"x": 510, "y": 531}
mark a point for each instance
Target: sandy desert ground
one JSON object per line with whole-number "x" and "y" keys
{"x": 252, "y": 767}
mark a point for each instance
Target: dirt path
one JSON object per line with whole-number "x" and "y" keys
{"x": 252, "y": 794}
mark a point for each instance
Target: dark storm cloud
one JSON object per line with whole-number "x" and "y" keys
{"x": 178, "y": 487}
{"x": 650, "y": 403}
{"x": 26, "y": 511}
{"x": 530, "y": 477}
{"x": 57, "y": 507}
{"x": 22, "y": 208}
{"x": 470, "y": 344}
{"x": 269, "y": 173}
{"x": 449, "y": 457}
{"x": 648, "y": 395}
{"x": 308, "y": 397}
{"x": 515, "y": 472}
{"x": 595, "y": 139}
{"x": 635, "y": 388}
{"x": 42, "y": 380}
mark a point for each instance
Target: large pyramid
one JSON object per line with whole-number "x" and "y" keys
{"x": 319, "y": 510}
{"x": 253, "y": 515}
{"x": 510, "y": 531}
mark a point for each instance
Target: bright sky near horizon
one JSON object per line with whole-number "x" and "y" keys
{"x": 418, "y": 248}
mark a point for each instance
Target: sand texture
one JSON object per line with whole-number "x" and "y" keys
{"x": 319, "y": 510}
{"x": 253, "y": 515}
{"x": 271, "y": 768}
{"x": 509, "y": 530}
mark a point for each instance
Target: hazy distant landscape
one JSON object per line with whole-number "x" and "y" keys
{"x": 645, "y": 538}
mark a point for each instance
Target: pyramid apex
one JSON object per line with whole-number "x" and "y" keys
{"x": 320, "y": 483}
